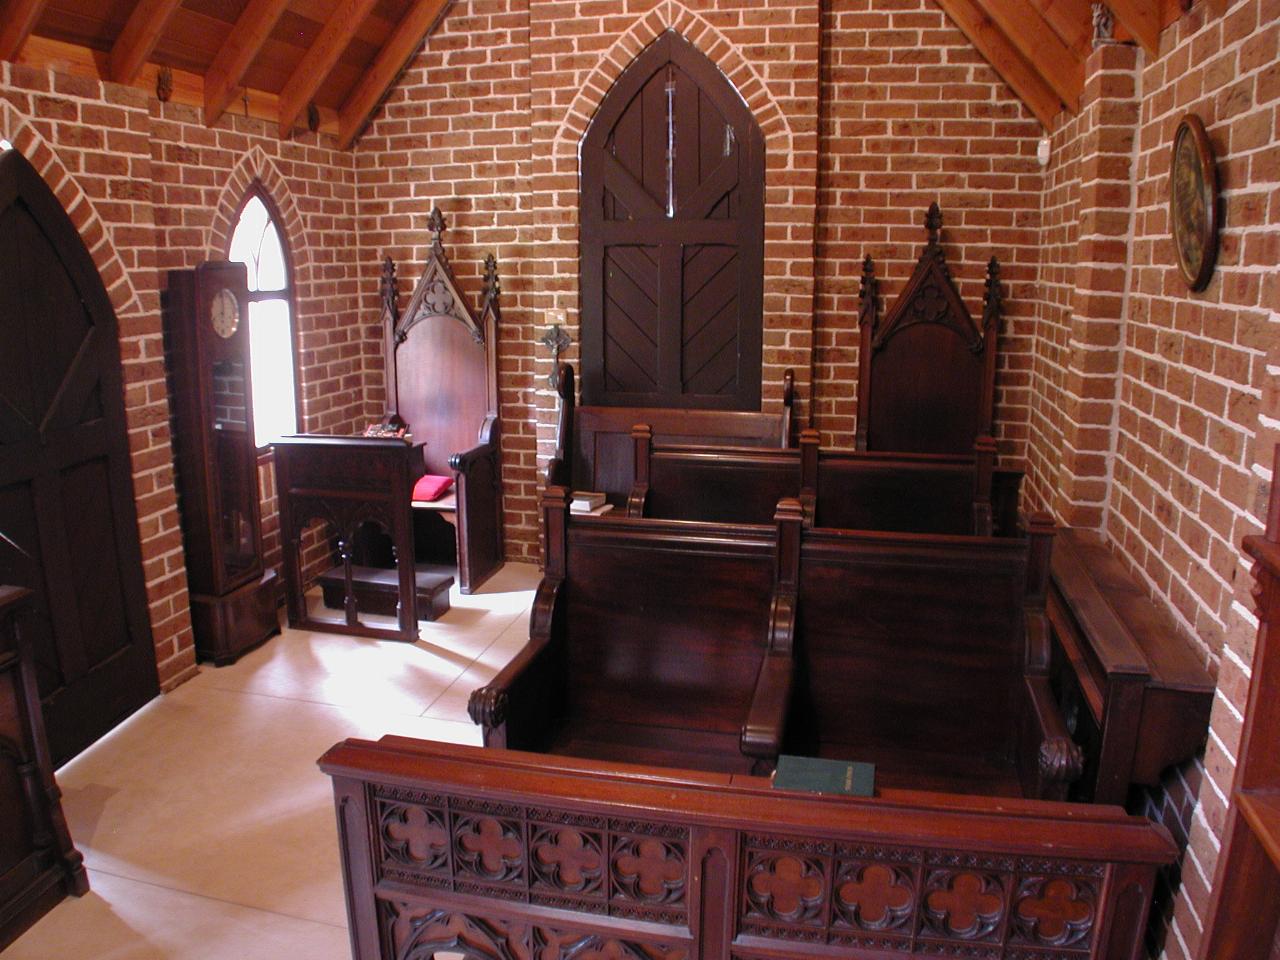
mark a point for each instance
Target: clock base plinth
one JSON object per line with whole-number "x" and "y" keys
{"x": 229, "y": 626}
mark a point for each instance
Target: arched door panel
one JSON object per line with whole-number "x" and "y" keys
{"x": 68, "y": 522}
{"x": 672, "y": 221}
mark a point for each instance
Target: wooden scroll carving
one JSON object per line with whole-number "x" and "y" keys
{"x": 926, "y": 372}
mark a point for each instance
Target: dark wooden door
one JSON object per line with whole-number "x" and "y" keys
{"x": 672, "y": 242}
{"x": 68, "y": 524}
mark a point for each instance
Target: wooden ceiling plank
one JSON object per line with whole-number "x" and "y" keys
{"x": 1142, "y": 19}
{"x": 320, "y": 59}
{"x": 1072, "y": 20}
{"x": 139, "y": 37}
{"x": 991, "y": 42}
{"x": 1044, "y": 51}
{"x": 236, "y": 53}
{"x": 420, "y": 20}
{"x": 17, "y": 20}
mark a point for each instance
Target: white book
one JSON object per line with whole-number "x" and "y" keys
{"x": 585, "y": 501}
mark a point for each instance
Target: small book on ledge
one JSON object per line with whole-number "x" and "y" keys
{"x": 818, "y": 775}
{"x": 586, "y": 501}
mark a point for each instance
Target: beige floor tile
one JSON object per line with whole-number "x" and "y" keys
{"x": 206, "y": 826}
{"x": 122, "y": 919}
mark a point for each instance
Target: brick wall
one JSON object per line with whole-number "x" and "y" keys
{"x": 1197, "y": 405}
{"x": 910, "y": 114}
{"x": 151, "y": 188}
{"x": 1168, "y": 453}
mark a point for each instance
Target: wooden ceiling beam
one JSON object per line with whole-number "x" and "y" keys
{"x": 17, "y": 20}
{"x": 416, "y": 25}
{"x": 139, "y": 37}
{"x": 1142, "y": 19}
{"x": 223, "y": 77}
{"x": 319, "y": 59}
{"x": 991, "y": 42}
{"x": 1072, "y": 20}
{"x": 1044, "y": 51}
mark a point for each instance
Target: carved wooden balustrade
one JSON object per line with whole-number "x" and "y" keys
{"x": 501, "y": 855}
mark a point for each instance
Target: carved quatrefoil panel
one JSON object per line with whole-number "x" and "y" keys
{"x": 568, "y": 859}
{"x": 785, "y": 888}
{"x": 1055, "y": 911}
{"x": 490, "y": 848}
{"x": 649, "y": 870}
{"x": 963, "y": 905}
{"x": 414, "y": 836}
{"x": 874, "y": 896}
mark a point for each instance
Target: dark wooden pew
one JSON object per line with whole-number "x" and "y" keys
{"x": 498, "y": 854}
{"x": 594, "y": 449}
{"x": 927, "y": 655}
{"x": 924, "y": 493}
{"x": 679, "y": 642}
{"x": 1138, "y": 698}
{"x": 649, "y": 641}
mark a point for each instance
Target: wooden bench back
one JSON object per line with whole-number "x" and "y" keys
{"x": 912, "y": 642}
{"x": 666, "y": 623}
{"x": 919, "y": 493}
{"x": 596, "y": 441}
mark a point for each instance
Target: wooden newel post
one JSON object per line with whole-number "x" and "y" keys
{"x": 555, "y": 530}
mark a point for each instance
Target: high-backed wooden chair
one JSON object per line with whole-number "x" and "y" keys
{"x": 926, "y": 372}
{"x": 442, "y": 384}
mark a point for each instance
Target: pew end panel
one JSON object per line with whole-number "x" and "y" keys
{"x": 1138, "y": 697}
{"x": 497, "y": 853}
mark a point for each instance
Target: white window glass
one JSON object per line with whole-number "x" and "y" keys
{"x": 271, "y": 359}
{"x": 5, "y": 145}
{"x": 256, "y": 243}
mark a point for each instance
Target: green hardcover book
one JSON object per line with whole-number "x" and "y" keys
{"x": 815, "y": 775}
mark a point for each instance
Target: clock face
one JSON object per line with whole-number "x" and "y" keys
{"x": 224, "y": 313}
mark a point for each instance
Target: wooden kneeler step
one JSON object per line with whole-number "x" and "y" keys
{"x": 377, "y": 589}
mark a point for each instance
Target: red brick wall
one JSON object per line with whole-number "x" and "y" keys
{"x": 455, "y": 133}
{"x": 1198, "y": 406}
{"x": 910, "y": 114}
{"x": 151, "y": 188}
{"x": 1156, "y": 412}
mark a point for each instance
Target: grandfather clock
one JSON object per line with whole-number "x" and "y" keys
{"x": 233, "y": 600}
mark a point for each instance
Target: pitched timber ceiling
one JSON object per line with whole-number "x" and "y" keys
{"x": 276, "y": 58}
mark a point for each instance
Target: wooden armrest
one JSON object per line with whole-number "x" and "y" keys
{"x": 524, "y": 689}
{"x": 1059, "y": 759}
{"x": 766, "y": 719}
{"x": 462, "y": 462}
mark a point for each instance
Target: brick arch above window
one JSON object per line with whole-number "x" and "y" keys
{"x": 255, "y": 167}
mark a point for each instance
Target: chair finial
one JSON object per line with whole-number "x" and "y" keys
{"x": 933, "y": 222}
{"x": 437, "y": 226}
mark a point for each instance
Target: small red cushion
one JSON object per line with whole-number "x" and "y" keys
{"x": 431, "y": 487}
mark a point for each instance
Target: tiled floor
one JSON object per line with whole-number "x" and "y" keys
{"x": 206, "y": 826}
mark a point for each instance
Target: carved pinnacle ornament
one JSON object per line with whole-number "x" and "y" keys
{"x": 933, "y": 223}
{"x": 1104, "y": 25}
{"x": 492, "y": 285}
{"x": 389, "y": 289}
{"x": 436, "y": 224}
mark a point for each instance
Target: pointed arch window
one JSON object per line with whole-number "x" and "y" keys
{"x": 257, "y": 243}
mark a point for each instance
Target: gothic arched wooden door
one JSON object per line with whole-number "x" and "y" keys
{"x": 672, "y": 238}
{"x": 68, "y": 522}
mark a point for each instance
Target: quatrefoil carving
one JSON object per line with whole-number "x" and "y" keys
{"x": 786, "y": 888}
{"x": 649, "y": 869}
{"x": 876, "y": 896}
{"x": 1057, "y": 912}
{"x": 415, "y": 835}
{"x": 490, "y": 847}
{"x": 964, "y": 905}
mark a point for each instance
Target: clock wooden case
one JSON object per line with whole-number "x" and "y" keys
{"x": 233, "y": 599}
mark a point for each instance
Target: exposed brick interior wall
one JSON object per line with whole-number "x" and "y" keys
{"x": 455, "y": 134}
{"x": 151, "y": 189}
{"x": 1155, "y": 413}
{"x": 1198, "y": 404}
{"x": 1142, "y": 410}
{"x": 911, "y": 114}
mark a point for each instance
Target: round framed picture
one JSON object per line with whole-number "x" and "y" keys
{"x": 1193, "y": 202}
